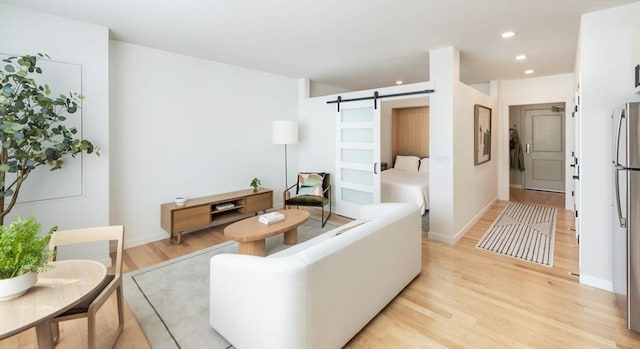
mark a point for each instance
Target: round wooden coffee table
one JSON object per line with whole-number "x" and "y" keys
{"x": 251, "y": 234}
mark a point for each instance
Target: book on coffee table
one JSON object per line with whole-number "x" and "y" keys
{"x": 271, "y": 217}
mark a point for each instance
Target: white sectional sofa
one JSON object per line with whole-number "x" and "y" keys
{"x": 320, "y": 293}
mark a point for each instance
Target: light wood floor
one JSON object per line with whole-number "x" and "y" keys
{"x": 464, "y": 298}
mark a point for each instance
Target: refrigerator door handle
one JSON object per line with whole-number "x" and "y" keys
{"x": 618, "y": 138}
{"x": 621, "y": 219}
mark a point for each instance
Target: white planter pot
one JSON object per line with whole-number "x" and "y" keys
{"x": 15, "y": 287}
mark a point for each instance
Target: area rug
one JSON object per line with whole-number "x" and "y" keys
{"x": 171, "y": 299}
{"x": 523, "y": 231}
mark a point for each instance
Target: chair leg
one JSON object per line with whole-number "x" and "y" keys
{"x": 325, "y": 220}
{"x": 118, "y": 332}
{"x": 91, "y": 329}
{"x": 55, "y": 331}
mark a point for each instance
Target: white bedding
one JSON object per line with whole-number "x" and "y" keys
{"x": 405, "y": 186}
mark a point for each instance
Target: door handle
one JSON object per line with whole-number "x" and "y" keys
{"x": 621, "y": 219}
{"x": 527, "y": 148}
{"x": 617, "y": 160}
{"x": 375, "y": 168}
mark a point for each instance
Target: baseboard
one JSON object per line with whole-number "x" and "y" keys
{"x": 596, "y": 282}
{"x": 453, "y": 239}
{"x": 447, "y": 239}
{"x": 145, "y": 239}
{"x": 517, "y": 186}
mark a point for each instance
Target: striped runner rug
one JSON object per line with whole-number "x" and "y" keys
{"x": 523, "y": 231}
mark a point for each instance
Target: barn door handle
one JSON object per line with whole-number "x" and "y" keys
{"x": 375, "y": 168}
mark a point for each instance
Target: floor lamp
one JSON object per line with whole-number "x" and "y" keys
{"x": 285, "y": 132}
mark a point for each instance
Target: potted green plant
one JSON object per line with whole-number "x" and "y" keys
{"x": 255, "y": 183}
{"x": 32, "y": 134}
{"x": 23, "y": 254}
{"x": 32, "y": 130}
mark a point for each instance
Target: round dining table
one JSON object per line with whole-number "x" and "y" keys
{"x": 56, "y": 291}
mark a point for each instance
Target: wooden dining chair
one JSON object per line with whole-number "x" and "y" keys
{"x": 91, "y": 303}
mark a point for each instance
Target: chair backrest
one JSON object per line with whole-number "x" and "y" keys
{"x": 310, "y": 179}
{"x": 84, "y": 235}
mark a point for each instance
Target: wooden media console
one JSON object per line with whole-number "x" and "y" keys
{"x": 199, "y": 213}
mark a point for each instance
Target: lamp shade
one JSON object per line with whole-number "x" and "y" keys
{"x": 285, "y": 132}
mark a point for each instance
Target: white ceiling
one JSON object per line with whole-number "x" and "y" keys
{"x": 350, "y": 44}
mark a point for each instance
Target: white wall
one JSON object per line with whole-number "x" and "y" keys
{"x": 317, "y": 89}
{"x": 546, "y": 89}
{"x": 459, "y": 192}
{"x": 28, "y": 32}
{"x": 444, "y": 70}
{"x": 183, "y": 126}
{"x": 608, "y": 54}
{"x": 475, "y": 187}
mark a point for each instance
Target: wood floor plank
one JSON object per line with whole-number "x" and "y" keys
{"x": 465, "y": 297}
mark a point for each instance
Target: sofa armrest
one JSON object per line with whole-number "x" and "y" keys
{"x": 256, "y": 301}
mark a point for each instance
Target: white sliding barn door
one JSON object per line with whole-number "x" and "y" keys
{"x": 357, "y": 181}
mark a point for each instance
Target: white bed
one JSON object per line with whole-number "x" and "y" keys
{"x": 404, "y": 184}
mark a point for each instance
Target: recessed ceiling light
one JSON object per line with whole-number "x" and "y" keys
{"x": 399, "y": 82}
{"x": 508, "y": 34}
{"x": 528, "y": 71}
{"x": 521, "y": 57}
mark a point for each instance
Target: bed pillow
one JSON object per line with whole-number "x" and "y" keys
{"x": 407, "y": 163}
{"x": 424, "y": 165}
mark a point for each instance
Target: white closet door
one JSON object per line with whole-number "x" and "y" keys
{"x": 357, "y": 181}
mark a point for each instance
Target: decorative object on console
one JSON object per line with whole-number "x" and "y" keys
{"x": 482, "y": 134}
{"x": 285, "y": 132}
{"x": 255, "y": 183}
{"x": 312, "y": 189}
{"x": 225, "y": 206}
{"x": 180, "y": 201}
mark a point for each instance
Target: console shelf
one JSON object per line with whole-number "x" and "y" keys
{"x": 198, "y": 213}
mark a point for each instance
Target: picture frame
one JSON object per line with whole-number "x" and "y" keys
{"x": 482, "y": 134}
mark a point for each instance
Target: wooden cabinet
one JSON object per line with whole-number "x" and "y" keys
{"x": 201, "y": 212}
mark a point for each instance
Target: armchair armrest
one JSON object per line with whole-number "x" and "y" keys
{"x": 285, "y": 192}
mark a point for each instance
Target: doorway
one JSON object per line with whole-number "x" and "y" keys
{"x": 539, "y": 128}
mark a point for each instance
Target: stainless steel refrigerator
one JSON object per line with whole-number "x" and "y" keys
{"x": 626, "y": 211}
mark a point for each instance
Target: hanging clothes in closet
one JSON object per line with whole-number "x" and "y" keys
{"x": 517, "y": 155}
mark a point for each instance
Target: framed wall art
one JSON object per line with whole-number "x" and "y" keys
{"x": 482, "y": 134}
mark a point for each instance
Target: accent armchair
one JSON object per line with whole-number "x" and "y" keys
{"x": 312, "y": 189}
